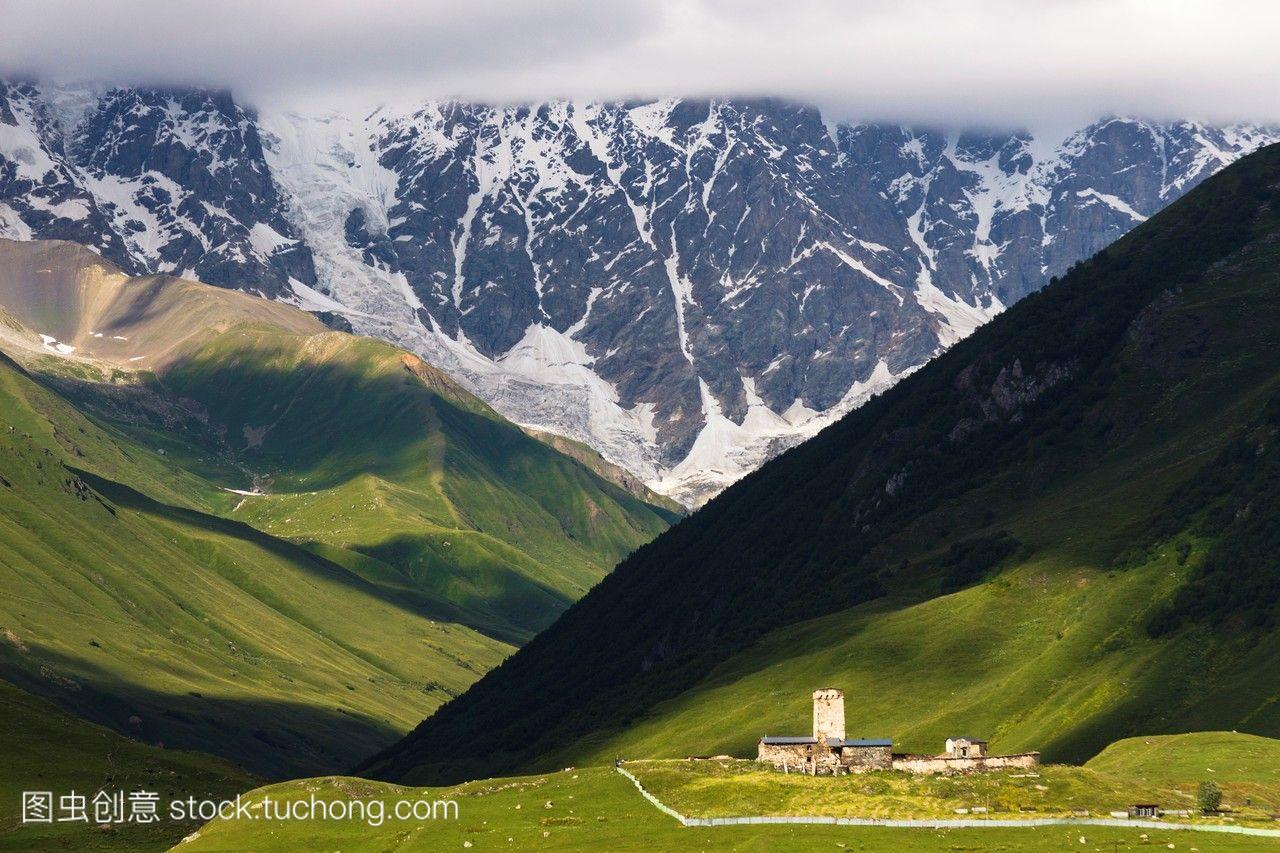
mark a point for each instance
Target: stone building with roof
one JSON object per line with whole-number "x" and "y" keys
{"x": 827, "y": 750}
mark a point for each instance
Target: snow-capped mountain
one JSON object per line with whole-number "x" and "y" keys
{"x": 158, "y": 180}
{"x": 42, "y": 194}
{"x": 688, "y": 286}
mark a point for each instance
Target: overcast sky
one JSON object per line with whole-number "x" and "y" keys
{"x": 964, "y": 61}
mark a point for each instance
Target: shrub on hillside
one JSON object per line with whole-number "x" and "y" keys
{"x": 1209, "y": 797}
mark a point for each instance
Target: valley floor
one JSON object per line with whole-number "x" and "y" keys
{"x": 600, "y": 808}
{"x": 597, "y": 808}
{"x": 736, "y": 788}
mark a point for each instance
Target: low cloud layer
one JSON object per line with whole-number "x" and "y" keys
{"x": 967, "y": 61}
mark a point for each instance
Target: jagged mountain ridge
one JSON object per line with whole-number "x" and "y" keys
{"x": 687, "y": 286}
{"x": 157, "y": 180}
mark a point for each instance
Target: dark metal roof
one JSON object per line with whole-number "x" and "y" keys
{"x": 788, "y": 741}
{"x": 832, "y": 742}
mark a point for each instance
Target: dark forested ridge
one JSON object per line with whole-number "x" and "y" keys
{"x": 1159, "y": 348}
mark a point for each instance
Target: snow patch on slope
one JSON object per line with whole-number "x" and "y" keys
{"x": 725, "y": 452}
{"x": 327, "y": 167}
{"x": 959, "y": 318}
{"x": 1112, "y": 202}
{"x": 51, "y": 343}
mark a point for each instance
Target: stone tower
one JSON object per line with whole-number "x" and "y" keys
{"x": 828, "y": 714}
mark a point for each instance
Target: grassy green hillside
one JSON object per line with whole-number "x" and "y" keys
{"x": 1020, "y": 661}
{"x": 1247, "y": 767}
{"x": 179, "y": 627}
{"x": 1059, "y": 533}
{"x": 597, "y": 809}
{"x": 387, "y": 466}
{"x": 228, "y": 528}
{"x": 361, "y": 450}
{"x": 47, "y": 749}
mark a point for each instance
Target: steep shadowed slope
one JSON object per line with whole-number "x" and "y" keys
{"x": 47, "y": 749}
{"x": 1059, "y": 532}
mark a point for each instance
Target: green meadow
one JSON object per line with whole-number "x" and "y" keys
{"x": 597, "y": 808}
{"x": 1244, "y": 766}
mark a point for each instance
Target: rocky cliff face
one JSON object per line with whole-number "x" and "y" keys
{"x": 42, "y": 195}
{"x": 688, "y": 286}
{"x": 160, "y": 181}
